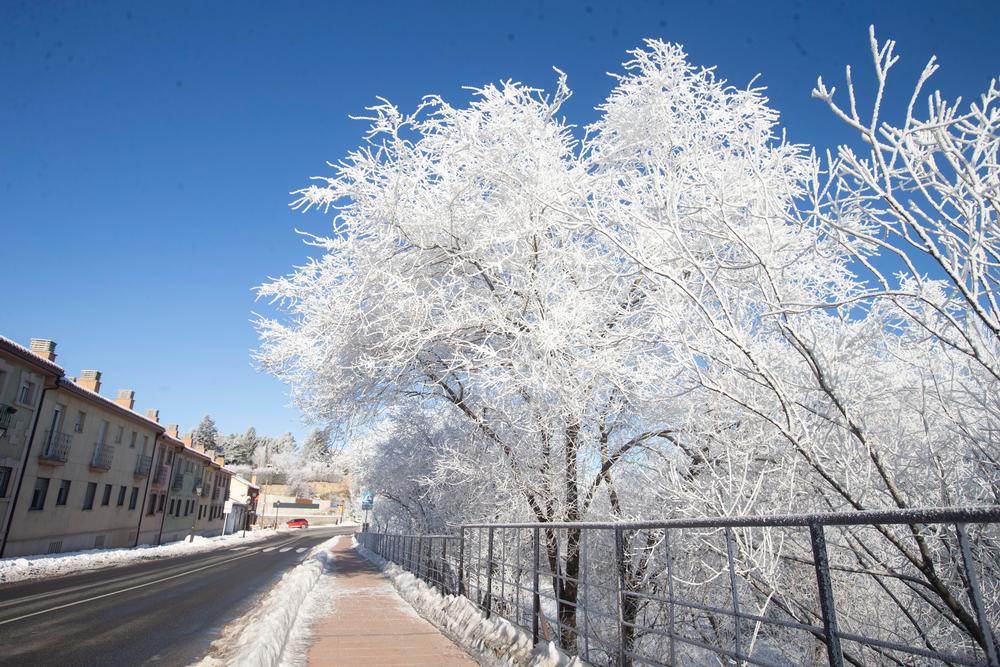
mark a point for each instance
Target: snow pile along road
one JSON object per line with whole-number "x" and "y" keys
{"x": 494, "y": 640}
{"x": 71, "y": 562}
{"x": 276, "y": 631}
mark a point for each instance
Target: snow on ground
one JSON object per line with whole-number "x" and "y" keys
{"x": 276, "y": 632}
{"x": 71, "y": 562}
{"x": 495, "y": 641}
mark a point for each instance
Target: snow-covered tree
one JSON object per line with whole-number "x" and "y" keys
{"x": 316, "y": 448}
{"x": 660, "y": 312}
{"x": 206, "y": 434}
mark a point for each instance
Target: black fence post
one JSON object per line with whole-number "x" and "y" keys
{"x": 735, "y": 594}
{"x": 536, "y": 601}
{"x": 976, "y": 596}
{"x": 670, "y": 596}
{"x": 489, "y": 573}
{"x": 620, "y": 561}
{"x": 461, "y": 560}
{"x": 833, "y": 650}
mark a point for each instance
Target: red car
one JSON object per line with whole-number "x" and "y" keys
{"x": 297, "y": 523}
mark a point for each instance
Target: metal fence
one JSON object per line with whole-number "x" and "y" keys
{"x": 903, "y": 587}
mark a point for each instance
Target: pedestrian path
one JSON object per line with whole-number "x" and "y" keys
{"x": 371, "y": 625}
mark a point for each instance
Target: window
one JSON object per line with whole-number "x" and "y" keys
{"x": 133, "y": 498}
{"x": 131, "y": 443}
{"x": 121, "y": 496}
{"x": 200, "y": 508}
{"x": 102, "y": 435}
{"x": 5, "y": 474}
{"x": 119, "y": 432}
{"x": 26, "y": 394}
{"x": 173, "y": 501}
{"x": 3, "y": 379}
{"x": 63, "y": 494}
{"x": 106, "y": 498}
{"x": 145, "y": 443}
{"x": 88, "y": 498}
{"x": 152, "y": 505}
{"x": 163, "y": 500}
{"x": 81, "y": 421}
{"x": 38, "y": 495}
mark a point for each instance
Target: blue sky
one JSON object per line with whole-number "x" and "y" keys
{"x": 147, "y": 150}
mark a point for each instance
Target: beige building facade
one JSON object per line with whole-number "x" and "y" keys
{"x": 85, "y": 473}
{"x": 81, "y": 471}
{"x": 25, "y": 377}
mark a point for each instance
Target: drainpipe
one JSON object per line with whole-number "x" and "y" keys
{"x": 170, "y": 487}
{"x": 145, "y": 496}
{"x": 24, "y": 468}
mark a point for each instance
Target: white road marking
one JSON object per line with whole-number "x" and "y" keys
{"x": 281, "y": 551}
{"x": 124, "y": 590}
{"x": 300, "y": 550}
{"x": 268, "y": 550}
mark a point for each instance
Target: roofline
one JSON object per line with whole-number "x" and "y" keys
{"x": 94, "y": 397}
{"x": 26, "y": 355}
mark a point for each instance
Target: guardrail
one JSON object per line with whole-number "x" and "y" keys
{"x": 863, "y": 588}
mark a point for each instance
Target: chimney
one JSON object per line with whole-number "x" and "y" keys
{"x": 221, "y": 460}
{"x": 153, "y": 415}
{"x": 90, "y": 380}
{"x": 125, "y": 398}
{"x": 44, "y": 348}
{"x": 210, "y": 453}
{"x": 172, "y": 431}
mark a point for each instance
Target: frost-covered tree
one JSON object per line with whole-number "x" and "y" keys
{"x": 662, "y": 311}
{"x": 316, "y": 448}
{"x": 206, "y": 434}
{"x": 239, "y": 448}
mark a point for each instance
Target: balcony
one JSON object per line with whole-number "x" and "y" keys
{"x": 162, "y": 475}
{"x": 103, "y": 456}
{"x": 143, "y": 464}
{"x": 215, "y": 493}
{"x": 205, "y": 490}
{"x": 56, "y": 448}
{"x": 6, "y": 413}
{"x": 178, "y": 482}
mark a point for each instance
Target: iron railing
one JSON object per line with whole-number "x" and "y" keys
{"x": 56, "y": 449}
{"x": 6, "y": 415}
{"x": 900, "y": 587}
{"x": 178, "y": 482}
{"x": 104, "y": 454}
{"x": 162, "y": 475}
{"x": 143, "y": 465}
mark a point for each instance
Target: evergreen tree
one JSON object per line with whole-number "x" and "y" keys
{"x": 316, "y": 448}
{"x": 206, "y": 434}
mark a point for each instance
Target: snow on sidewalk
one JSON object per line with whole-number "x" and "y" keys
{"x": 371, "y": 624}
{"x": 72, "y": 562}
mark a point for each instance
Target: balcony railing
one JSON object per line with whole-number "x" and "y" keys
{"x": 162, "y": 475}
{"x": 143, "y": 465}
{"x": 56, "y": 448}
{"x": 6, "y": 413}
{"x": 104, "y": 454}
{"x": 215, "y": 493}
{"x": 178, "y": 482}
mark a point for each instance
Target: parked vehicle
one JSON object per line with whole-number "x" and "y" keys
{"x": 297, "y": 523}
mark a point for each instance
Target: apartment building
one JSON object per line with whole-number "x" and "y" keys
{"x": 85, "y": 471}
{"x": 25, "y": 376}
{"x": 156, "y": 506}
{"x": 82, "y": 471}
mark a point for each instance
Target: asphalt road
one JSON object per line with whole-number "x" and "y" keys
{"x": 163, "y": 612}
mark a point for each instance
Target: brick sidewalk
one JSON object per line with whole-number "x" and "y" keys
{"x": 372, "y": 626}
